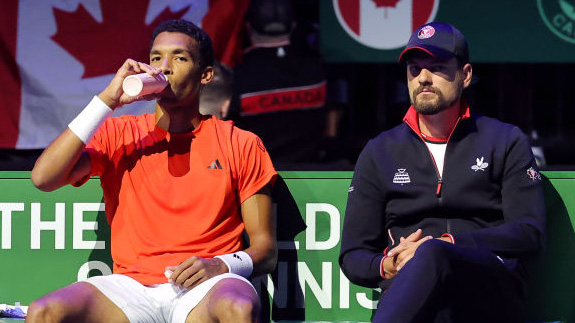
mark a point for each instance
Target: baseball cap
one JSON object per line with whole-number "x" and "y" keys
{"x": 271, "y": 17}
{"x": 438, "y": 40}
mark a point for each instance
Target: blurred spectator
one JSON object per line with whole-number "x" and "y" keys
{"x": 216, "y": 95}
{"x": 280, "y": 90}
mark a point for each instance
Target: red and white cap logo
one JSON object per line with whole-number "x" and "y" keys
{"x": 426, "y": 32}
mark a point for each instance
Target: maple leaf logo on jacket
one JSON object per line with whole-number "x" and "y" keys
{"x": 102, "y": 47}
{"x": 533, "y": 174}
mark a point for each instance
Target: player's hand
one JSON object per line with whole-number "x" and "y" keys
{"x": 195, "y": 271}
{"x": 406, "y": 248}
{"x": 114, "y": 95}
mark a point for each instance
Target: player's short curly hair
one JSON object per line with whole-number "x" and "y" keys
{"x": 189, "y": 28}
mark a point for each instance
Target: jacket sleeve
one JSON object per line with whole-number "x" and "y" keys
{"x": 522, "y": 233}
{"x": 363, "y": 237}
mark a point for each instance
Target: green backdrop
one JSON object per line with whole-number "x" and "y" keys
{"x": 49, "y": 240}
{"x": 496, "y": 30}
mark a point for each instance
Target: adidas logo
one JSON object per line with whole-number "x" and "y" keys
{"x": 215, "y": 165}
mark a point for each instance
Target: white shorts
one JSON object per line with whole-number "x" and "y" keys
{"x": 156, "y": 303}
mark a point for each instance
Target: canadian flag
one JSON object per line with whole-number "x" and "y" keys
{"x": 383, "y": 24}
{"x": 57, "y": 54}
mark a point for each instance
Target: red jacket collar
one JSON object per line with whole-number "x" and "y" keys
{"x": 412, "y": 121}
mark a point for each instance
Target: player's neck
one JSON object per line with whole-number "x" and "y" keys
{"x": 441, "y": 124}
{"x": 178, "y": 119}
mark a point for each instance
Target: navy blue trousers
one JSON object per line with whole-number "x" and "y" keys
{"x": 445, "y": 282}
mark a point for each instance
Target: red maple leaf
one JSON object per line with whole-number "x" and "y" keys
{"x": 103, "y": 47}
{"x": 386, "y": 3}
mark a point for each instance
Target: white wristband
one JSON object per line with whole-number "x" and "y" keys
{"x": 238, "y": 263}
{"x": 90, "y": 119}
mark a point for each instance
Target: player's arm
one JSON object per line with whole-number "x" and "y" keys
{"x": 260, "y": 224}
{"x": 64, "y": 161}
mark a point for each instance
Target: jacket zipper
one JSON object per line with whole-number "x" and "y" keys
{"x": 439, "y": 184}
{"x": 439, "y": 177}
{"x": 438, "y": 191}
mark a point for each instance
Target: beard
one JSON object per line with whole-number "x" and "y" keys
{"x": 434, "y": 105}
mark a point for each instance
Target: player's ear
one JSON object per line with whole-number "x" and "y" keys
{"x": 467, "y": 74}
{"x": 207, "y": 75}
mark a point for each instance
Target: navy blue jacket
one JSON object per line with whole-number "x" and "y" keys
{"x": 490, "y": 196}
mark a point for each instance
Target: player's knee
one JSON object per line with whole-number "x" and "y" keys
{"x": 244, "y": 309}
{"x": 433, "y": 252}
{"x": 238, "y": 308}
{"x": 45, "y": 310}
{"x": 434, "y": 247}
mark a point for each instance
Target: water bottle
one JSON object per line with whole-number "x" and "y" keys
{"x": 144, "y": 83}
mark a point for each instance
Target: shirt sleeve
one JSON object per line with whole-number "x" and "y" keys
{"x": 255, "y": 169}
{"x": 363, "y": 237}
{"x": 523, "y": 230}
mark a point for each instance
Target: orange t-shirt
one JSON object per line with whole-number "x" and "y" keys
{"x": 171, "y": 196}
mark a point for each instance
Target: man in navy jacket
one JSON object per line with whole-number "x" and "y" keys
{"x": 444, "y": 208}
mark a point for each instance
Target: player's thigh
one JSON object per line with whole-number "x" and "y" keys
{"x": 230, "y": 300}
{"x": 79, "y": 302}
